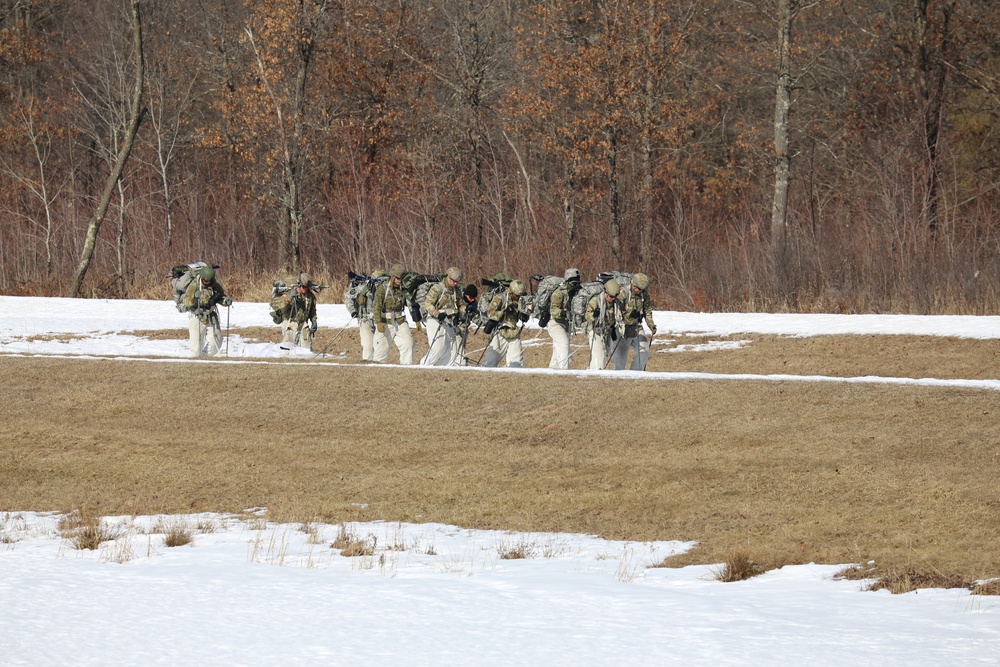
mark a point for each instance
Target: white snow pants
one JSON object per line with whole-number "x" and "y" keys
{"x": 499, "y": 348}
{"x": 560, "y": 345}
{"x": 397, "y": 335}
{"x": 204, "y": 339}
{"x": 292, "y": 330}
{"x": 442, "y": 349}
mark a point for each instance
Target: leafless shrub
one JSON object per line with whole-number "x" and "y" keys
{"x": 177, "y": 534}
{"x": 516, "y": 550}
{"x": 90, "y": 533}
{"x": 351, "y": 545}
{"x": 738, "y": 566}
{"x": 207, "y": 526}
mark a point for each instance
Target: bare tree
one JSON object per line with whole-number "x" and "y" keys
{"x": 782, "y": 158}
{"x": 125, "y": 149}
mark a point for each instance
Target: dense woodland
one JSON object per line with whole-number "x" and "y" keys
{"x": 838, "y": 155}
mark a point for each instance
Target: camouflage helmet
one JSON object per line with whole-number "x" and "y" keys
{"x": 518, "y": 287}
{"x": 206, "y": 273}
{"x": 572, "y": 275}
{"x": 455, "y": 274}
{"x": 379, "y": 273}
{"x": 397, "y": 271}
{"x": 612, "y": 287}
{"x": 640, "y": 280}
{"x": 305, "y": 279}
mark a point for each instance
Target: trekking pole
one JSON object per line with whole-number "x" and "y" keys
{"x": 227, "y": 328}
{"x": 479, "y": 362}
{"x": 327, "y": 346}
{"x": 621, "y": 337}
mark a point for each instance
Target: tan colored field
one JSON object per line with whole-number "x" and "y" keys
{"x": 785, "y": 471}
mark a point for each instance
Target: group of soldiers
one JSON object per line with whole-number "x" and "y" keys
{"x": 447, "y": 309}
{"x": 612, "y": 319}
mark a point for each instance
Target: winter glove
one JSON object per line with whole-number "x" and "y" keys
{"x": 490, "y": 326}
{"x": 636, "y": 314}
{"x": 614, "y": 334}
{"x": 652, "y": 332}
{"x": 227, "y": 301}
{"x": 543, "y": 319}
{"x": 314, "y": 327}
{"x": 524, "y": 317}
{"x": 381, "y": 327}
{"x": 441, "y": 317}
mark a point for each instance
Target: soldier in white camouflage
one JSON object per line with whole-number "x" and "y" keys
{"x": 297, "y": 309}
{"x": 366, "y": 325}
{"x": 559, "y": 318}
{"x": 201, "y": 300}
{"x": 445, "y": 310}
{"x": 604, "y": 324}
{"x": 506, "y": 318}
{"x": 636, "y": 308}
{"x": 389, "y": 315}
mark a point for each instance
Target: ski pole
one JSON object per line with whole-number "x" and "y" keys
{"x": 327, "y": 347}
{"x": 479, "y": 362}
{"x": 611, "y": 356}
{"x": 227, "y": 328}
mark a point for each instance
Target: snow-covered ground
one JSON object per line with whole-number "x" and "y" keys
{"x": 249, "y": 592}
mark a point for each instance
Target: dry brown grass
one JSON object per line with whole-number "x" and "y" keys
{"x": 838, "y": 356}
{"x": 739, "y": 566}
{"x": 86, "y": 532}
{"x": 175, "y": 533}
{"x": 350, "y": 544}
{"x": 792, "y": 472}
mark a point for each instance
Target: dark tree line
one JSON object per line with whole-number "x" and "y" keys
{"x": 761, "y": 154}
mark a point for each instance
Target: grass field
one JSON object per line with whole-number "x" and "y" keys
{"x": 787, "y": 472}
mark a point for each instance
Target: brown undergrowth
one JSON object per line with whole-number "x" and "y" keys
{"x": 789, "y": 472}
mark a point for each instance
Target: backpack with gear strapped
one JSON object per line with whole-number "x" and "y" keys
{"x": 591, "y": 289}
{"x": 181, "y": 276}
{"x": 495, "y": 285}
{"x": 361, "y": 288}
{"x": 415, "y": 287}
{"x": 545, "y": 287}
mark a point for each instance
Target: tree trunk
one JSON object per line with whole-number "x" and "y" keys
{"x": 135, "y": 118}
{"x": 931, "y": 80}
{"x": 569, "y": 207}
{"x": 782, "y": 158}
{"x": 616, "y": 214}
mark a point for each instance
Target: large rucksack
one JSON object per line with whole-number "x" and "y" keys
{"x": 181, "y": 276}
{"x": 624, "y": 279}
{"x": 415, "y": 287}
{"x": 360, "y": 289}
{"x": 355, "y": 284}
{"x": 578, "y": 305}
{"x": 280, "y": 288}
{"x": 545, "y": 287}
{"x": 494, "y": 286}
{"x": 592, "y": 289}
